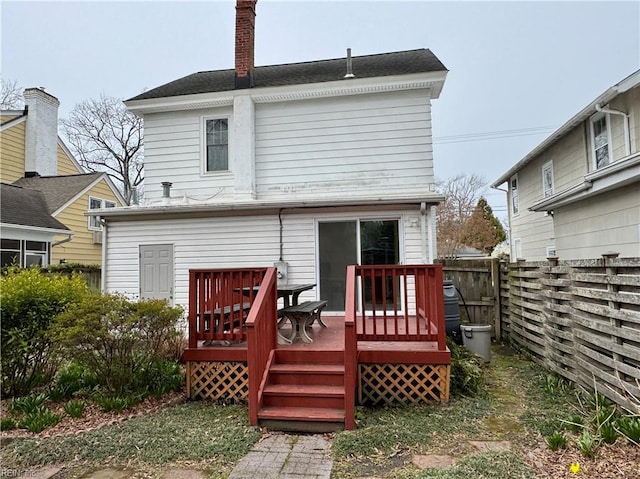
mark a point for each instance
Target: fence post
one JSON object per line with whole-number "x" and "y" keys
{"x": 497, "y": 303}
{"x": 610, "y": 271}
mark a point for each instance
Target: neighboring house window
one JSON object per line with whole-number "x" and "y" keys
{"x": 217, "y": 144}
{"x": 98, "y": 204}
{"x": 515, "y": 197}
{"x": 547, "y": 179}
{"x": 517, "y": 248}
{"x": 601, "y": 139}
{"x": 24, "y": 253}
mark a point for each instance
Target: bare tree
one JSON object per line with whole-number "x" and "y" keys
{"x": 105, "y": 136}
{"x": 10, "y": 95}
{"x": 462, "y": 193}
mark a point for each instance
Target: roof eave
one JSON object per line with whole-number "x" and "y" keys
{"x": 629, "y": 82}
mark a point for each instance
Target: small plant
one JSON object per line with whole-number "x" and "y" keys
{"x": 608, "y": 433}
{"x": 28, "y": 404}
{"x": 467, "y": 375}
{"x": 70, "y": 380}
{"x": 7, "y": 423}
{"x": 574, "y": 423}
{"x": 629, "y": 427}
{"x": 556, "y": 441}
{"x": 74, "y": 409}
{"x": 39, "y": 420}
{"x": 112, "y": 403}
{"x": 555, "y": 385}
{"x": 587, "y": 444}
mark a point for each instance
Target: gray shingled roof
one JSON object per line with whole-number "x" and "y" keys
{"x": 367, "y": 66}
{"x": 26, "y": 207}
{"x": 58, "y": 190}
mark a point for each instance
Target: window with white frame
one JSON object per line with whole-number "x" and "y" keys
{"x": 547, "y": 179}
{"x": 517, "y": 249}
{"x": 601, "y": 140}
{"x": 515, "y": 197}
{"x": 98, "y": 204}
{"x": 216, "y": 145}
{"x": 24, "y": 253}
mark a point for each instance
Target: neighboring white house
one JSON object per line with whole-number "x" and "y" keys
{"x": 577, "y": 194}
{"x": 311, "y": 166}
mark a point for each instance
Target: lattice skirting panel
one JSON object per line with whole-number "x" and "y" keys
{"x": 218, "y": 381}
{"x": 403, "y": 383}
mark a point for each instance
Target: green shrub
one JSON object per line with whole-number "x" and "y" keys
{"x": 116, "y": 340}
{"x": 30, "y": 300}
{"x": 467, "y": 375}
{"x": 39, "y": 420}
{"x": 28, "y": 404}
{"x": 7, "y": 423}
{"x": 74, "y": 409}
{"x": 163, "y": 376}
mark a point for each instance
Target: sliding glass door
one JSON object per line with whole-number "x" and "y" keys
{"x": 358, "y": 241}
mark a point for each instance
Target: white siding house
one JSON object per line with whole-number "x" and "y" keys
{"x": 577, "y": 195}
{"x": 293, "y": 164}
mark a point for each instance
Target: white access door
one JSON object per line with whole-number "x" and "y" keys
{"x": 156, "y": 272}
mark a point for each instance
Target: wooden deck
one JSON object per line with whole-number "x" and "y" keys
{"x": 382, "y": 355}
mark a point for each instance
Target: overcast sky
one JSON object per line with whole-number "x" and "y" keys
{"x": 512, "y": 65}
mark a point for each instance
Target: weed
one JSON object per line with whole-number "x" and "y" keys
{"x": 39, "y": 420}
{"x": 74, "y": 409}
{"x": 467, "y": 375}
{"x": 555, "y": 385}
{"x": 112, "y": 403}
{"x": 28, "y": 404}
{"x": 556, "y": 441}
{"x": 608, "y": 433}
{"x": 587, "y": 444}
{"x": 629, "y": 427}
{"x": 7, "y": 423}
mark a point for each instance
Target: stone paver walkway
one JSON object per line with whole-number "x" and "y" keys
{"x": 284, "y": 456}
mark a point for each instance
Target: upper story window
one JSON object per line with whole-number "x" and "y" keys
{"x": 217, "y": 144}
{"x": 601, "y": 140}
{"x": 515, "y": 196}
{"x": 97, "y": 204}
{"x": 547, "y": 179}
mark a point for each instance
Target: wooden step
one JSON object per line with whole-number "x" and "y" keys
{"x": 302, "y": 414}
{"x": 297, "y": 395}
{"x": 307, "y": 374}
{"x": 306, "y": 356}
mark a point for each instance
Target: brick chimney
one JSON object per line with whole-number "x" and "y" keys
{"x": 245, "y": 35}
{"x": 41, "y": 134}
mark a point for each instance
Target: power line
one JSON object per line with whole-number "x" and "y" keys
{"x": 492, "y": 135}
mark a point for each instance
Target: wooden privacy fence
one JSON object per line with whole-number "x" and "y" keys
{"x": 477, "y": 282}
{"x": 580, "y": 319}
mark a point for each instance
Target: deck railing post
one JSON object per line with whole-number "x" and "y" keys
{"x": 193, "y": 286}
{"x": 350, "y": 349}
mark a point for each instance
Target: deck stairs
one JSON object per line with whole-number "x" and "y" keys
{"x": 304, "y": 392}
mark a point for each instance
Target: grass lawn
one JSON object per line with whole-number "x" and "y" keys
{"x": 520, "y": 404}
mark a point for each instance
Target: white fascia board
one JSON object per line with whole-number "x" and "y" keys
{"x": 14, "y": 122}
{"x": 613, "y": 176}
{"x": 257, "y": 206}
{"x": 103, "y": 176}
{"x": 631, "y": 81}
{"x": 433, "y": 81}
{"x": 8, "y": 228}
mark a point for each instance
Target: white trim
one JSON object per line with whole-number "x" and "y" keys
{"x": 550, "y": 191}
{"x": 36, "y": 229}
{"x": 203, "y": 145}
{"x": 516, "y": 249}
{"x": 103, "y": 202}
{"x": 13, "y": 122}
{"x": 433, "y": 81}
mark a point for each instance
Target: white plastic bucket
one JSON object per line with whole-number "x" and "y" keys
{"x": 477, "y": 339}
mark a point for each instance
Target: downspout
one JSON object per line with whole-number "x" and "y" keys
{"x": 66, "y": 240}
{"x": 423, "y": 231}
{"x": 103, "y": 273}
{"x": 627, "y": 135}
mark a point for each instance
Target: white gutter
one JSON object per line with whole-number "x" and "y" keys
{"x": 625, "y": 116}
{"x": 66, "y": 240}
{"x": 423, "y": 231}
{"x": 103, "y": 273}
{"x": 36, "y": 229}
{"x": 556, "y": 200}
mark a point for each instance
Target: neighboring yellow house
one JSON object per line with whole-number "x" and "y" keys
{"x": 33, "y": 156}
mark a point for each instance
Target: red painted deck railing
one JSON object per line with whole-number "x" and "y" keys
{"x": 219, "y": 302}
{"x": 350, "y": 349}
{"x": 262, "y": 339}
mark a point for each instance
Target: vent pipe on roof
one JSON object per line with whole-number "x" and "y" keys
{"x": 349, "y": 66}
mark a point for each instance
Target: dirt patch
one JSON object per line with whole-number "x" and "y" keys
{"x": 433, "y": 461}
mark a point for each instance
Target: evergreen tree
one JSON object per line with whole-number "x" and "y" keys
{"x": 483, "y": 230}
